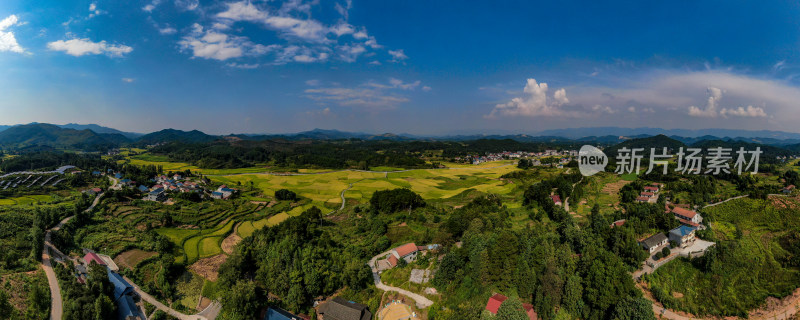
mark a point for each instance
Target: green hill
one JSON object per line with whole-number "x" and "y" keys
{"x": 42, "y": 134}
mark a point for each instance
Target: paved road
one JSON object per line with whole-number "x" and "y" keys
{"x": 726, "y": 200}
{"x": 422, "y": 302}
{"x": 160, "y": 306}
{"x": 56, "y": 304}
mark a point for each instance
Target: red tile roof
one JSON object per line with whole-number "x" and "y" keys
{"x": 789, "y": 187}
{"x": 651, "y": 188}
{"x": 392, "y": 260}
{"x": 494, "y": 302}
{"x": 642, "y": 198}
{"x": 688, "y": 223}
{"x": 647, "y": 194}
{"x": 684, "y": 212}
{"x": 97, "y": 189}
{"x": 556, "y": 198}
{"x": 406, "y": 249}
{"x": 618, "y": 223}
{"x": 530, "y": 312}
{"x": 91, "y": 256}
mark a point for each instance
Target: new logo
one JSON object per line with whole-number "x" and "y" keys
{"x": 591, "y": 160}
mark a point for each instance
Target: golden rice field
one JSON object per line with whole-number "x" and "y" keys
{"x": 324, "y": 189}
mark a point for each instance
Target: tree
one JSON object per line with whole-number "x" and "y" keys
{"x": 5, "y": 305}
{"x": 632, "y": 308}
{"x": 511, "y": 309}
{"x": 284, "y": 194}
{"x": 104, "y": 308}
{"x": 665, "y": 252}
{"x": 242, "y": 302}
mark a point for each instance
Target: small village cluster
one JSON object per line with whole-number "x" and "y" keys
{"x": 650, "y": 193}
{"x": 163, "y": 185}
{"x": 505, "y": 155}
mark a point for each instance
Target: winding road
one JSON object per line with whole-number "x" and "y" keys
{"x": 422, "y": 302}
{"x": 56, "y": 304}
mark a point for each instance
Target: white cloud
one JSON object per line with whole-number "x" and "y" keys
{"x": 398, "y": 55}
{"x": 533, "y": 102}
{"x": 312, "y": 82}
{"x": 710, "y": 111}
{"x": 397, "y": 83}
{"x": 603, "y": 109}
{"x": 188, "y": 5}
{"x": 80, "y": 47}
{"x": 7, "y": 40}
{"x": 93, "y": 6}
{"x": 128, "y": 80}
{"x": 426, "y": 88}
{"x": 167, "y": 30}
{"x": 324, "y": 112}
{"x": 214, "y": 45}
{"x": 243, "y": 65}
{"x": 370, "y": 95}
{"x": 750, "y": 111}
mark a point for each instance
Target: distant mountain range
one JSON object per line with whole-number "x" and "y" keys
{"x": 95, "y": 137}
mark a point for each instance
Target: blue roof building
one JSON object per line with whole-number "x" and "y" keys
{"x": 121, "y": 287}
{"x": 142, "y": 188}
{"x": 683, "y": 235}
{"x": 127, "y": 309}
{"x": 274, "y": 313}
{"x": 118, "y": 175}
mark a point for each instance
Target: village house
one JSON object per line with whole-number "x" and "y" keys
{"x": 341, "y": 309}
{"x": 124, "y": 295}
{"x": 654, "y": 242}
{"x": 683, "y": 236}
{"x": 687, "y": 217}
{"x": 94, "y": 191}
{"x": 647, "y": 195}
{"x": 618, "y": 223}
{"x": 642, "y": 199}
{"x": 407, "y": 252}
{"x": 493, "y": 305}
{"x": 788, "y": 189}
{"x": 556, "y": 199}
{"x": 156, "y": 195}
{"x": 275, "y": 313}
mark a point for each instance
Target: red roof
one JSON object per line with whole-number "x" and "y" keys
{"x": 91, "y": 256}
{"x": 530, "y": 312}
{"x": 406, "y": 249}
{"x": 642, "y": 198}
{"x": 651, "y": 188}
{"x": 97, "y": 189}
{"x": 392, "y": 260}
{"x": 618, "y": 223}
{"x": 647, "y": 194}
{"x": 684, "y": 212}
{"x": 556, "y": 198}
{"x": 688, "y": 223}
{"x": 789, "y": 187}
{"x": 494, "y": 302}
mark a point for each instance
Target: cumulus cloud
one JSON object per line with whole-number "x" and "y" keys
{"x": 310, "y": 40}
{"x": 603, "y": 109}
{"x": 398, "y": 55}
{"x": 369, "y": 95}
{"x": 79, "y": 47}
{"x": 212, "y": 44}
{"x": 710, "y": 110}
{"x": 128, "y": 80}
{"x": 533, "y": 102}
{"x": 750, "y": 111}
{"x": 7, "y": 40}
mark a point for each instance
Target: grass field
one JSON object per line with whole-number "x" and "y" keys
{"x": 23, "y": 200}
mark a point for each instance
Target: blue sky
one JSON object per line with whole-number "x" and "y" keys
{"x": 423, "y": 67}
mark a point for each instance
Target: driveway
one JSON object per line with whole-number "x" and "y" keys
{"x": 422, "y": 302}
